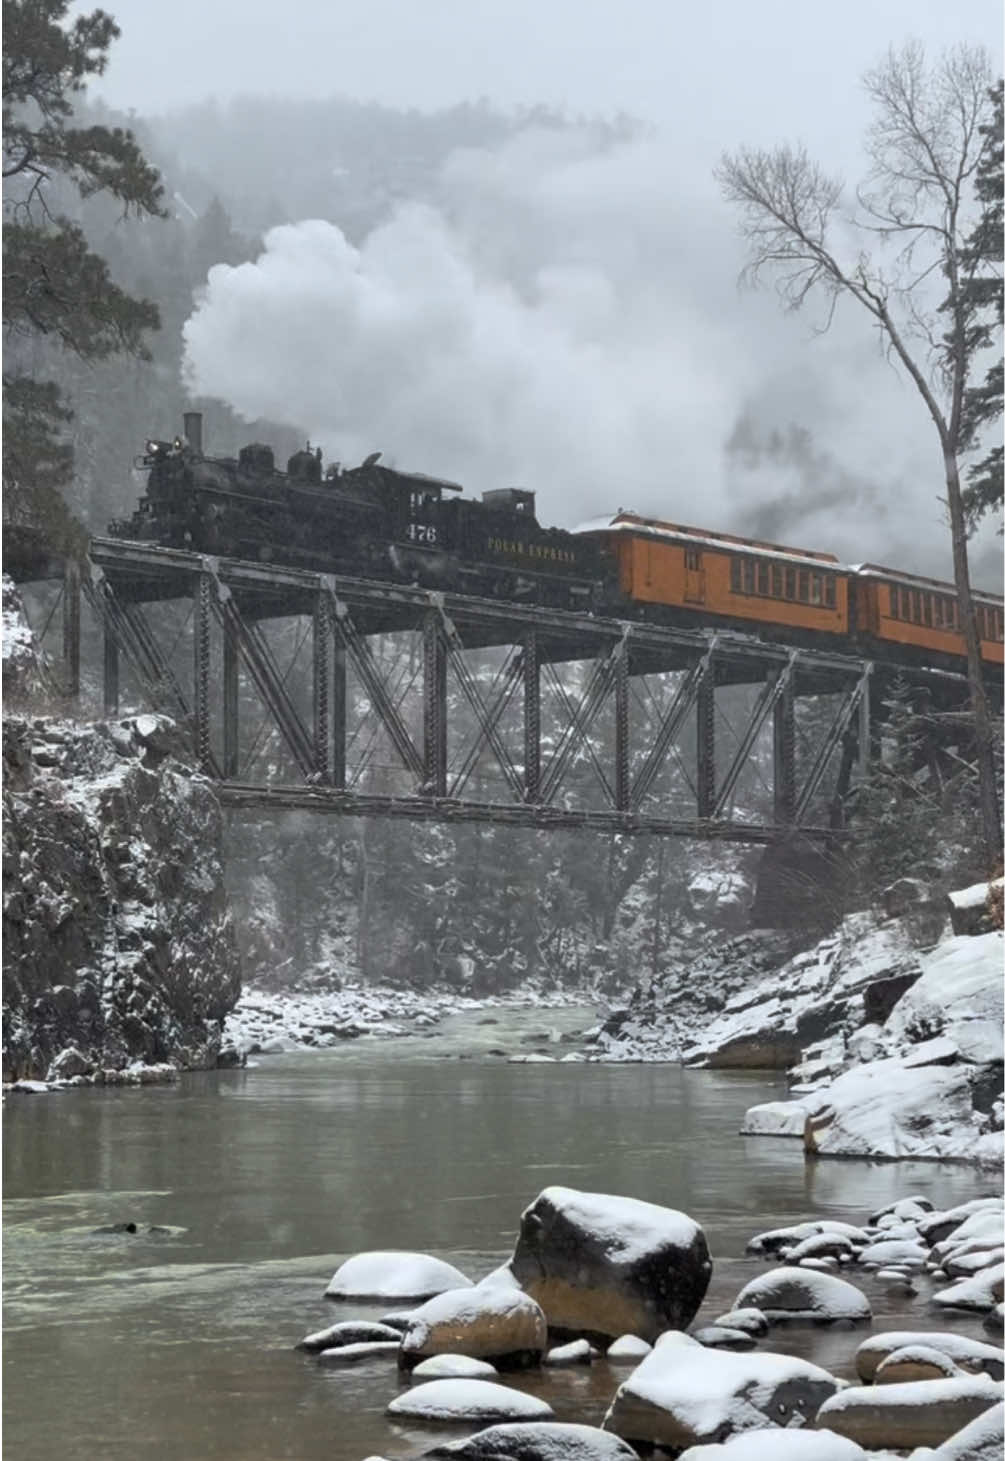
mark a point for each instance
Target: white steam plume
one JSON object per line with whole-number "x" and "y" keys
{"x": 566, "y": 319}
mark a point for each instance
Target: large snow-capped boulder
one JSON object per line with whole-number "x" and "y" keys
{"x": 918, "y": 1413}
{"x": 890, "y": 1109}
{"x": 682, "y": 1394}
{"x": 959, "y": 996}
{"x": 785, "y": 1293}
{"x": 970, "y": 908}
{"x": 350, "y": 1331}
{"x": 118, "y": 941}
{"x": 537, "y": 1441}
{"x": 501, "y": 1324}
{"x": 978, "y": 1294}
{"x": 394, "y": 1275}
{"x": 605, "y": 1266}
{"x": 467, "y": 1401}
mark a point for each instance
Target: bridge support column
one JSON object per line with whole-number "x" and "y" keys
{"x": 231, "y": 683}
{"x": 111, "y": 671}
{"x": 201, "y": 647}
{"x": 531, "y": 718}
{"x": 338, "y": 715}
{"x": 622, "y": 776}
{"x": 434, "y": 706}
{"x": 322, "y": 677}
{"x": 705, "y": 727}
{"x": 785, "y": 756}
{"x": 71, "y": 626}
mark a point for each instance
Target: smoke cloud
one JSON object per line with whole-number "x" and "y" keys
{"x": 563, "y": 316}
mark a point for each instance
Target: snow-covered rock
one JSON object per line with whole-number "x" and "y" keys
{"x": 969, "y": 1354}
{"x": 982, "y": 1440}
{"x": 576, "y": 1352}
{"x": 979, "y": 1294}
{"x": 350, "y": 1331}
{"x": 775, "y": 1118}
{"x": 919, "y": 1413}
{"x": 915, "y": 1362}
{"x": 353, "y": 1354}
{"x": 453, "y": 1367}
{"x": 603, "y": 1266}
{"x": 958, "y": 997}
{"x": 627, "y": 1349}
{"x": 886, "y": 1109}
{"x": 533, "y": 1441}
{"x": 498, "y": 1324}
{"x": 118, "y": 940}
{"x": 784, "y": 1294}
{"x": 750, "y": 1320}
{"x": 467, "y": 1401}
{"x": 394, "y": 1275}
{"x": 778, "y": 1445}
{"x": 716, "y": 1336}
{"x": 682, "y": 1394}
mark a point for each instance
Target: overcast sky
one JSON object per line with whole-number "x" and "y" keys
{"x": 523, "y": 311}
{"x": 719, "y": 73}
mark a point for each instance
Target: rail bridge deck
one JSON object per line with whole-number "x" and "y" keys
{"x": 232, "y": 602}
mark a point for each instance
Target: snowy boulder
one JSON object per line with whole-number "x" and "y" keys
{"x": 352, "y": 1354}
{"x": 466, "y": 1401}
{"x": 821, "y": 1245}
{"x": 982, "y": 1440}
{"x": 939, "y": 1225}
{"x": 530, "y": 1441}
{"x": 498, "y": 1324}
{"x": 978, "y": 1294}
{"x": 576, "y": 1352}
{"x": 794, "y": 1293}
{"x": 886, "y": 1110}
{"x": 716, "y": 1336}
{"x": 627, "y": 1349}
{"x": 969, "y": 1354}
{"x": 750, "y": 1320}
{"x": 350, "y": 1331}
{"x": 604, "y": 1266}
{"x": 916, "y": 1362}
{"x": 682, "y": 1395}
{"x": 777, "y": 1239}
{"x": 394, "y": 1275}
{"x": 776, "y": 1445}
{"x": 914, "y": 1208}
{"x": 453, "y": 1367}
{"x": 921, "y": 1413}
{"x": 894, "y": 1250}
{"x": 775, "y": 1118}
{"x": 970, "y": 909}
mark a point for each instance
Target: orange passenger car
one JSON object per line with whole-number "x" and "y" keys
{"x": 716, "y": 574}
{"x": 798, "y": 594}
{"x": 922, "y": 614}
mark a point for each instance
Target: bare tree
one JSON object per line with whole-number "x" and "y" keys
{"x": 902, "y": 255}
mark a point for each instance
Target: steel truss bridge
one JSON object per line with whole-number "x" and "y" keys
{"x": 532, "y": 729}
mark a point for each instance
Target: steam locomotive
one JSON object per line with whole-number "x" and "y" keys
{"x": 370, "y": 521}
{"x": 373, "y": 521}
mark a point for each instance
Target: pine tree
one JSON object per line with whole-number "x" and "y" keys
{"x": 985, "y": 293}
{"x": 55, "y": 289}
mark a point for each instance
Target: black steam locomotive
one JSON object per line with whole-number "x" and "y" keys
{"x": 370, "y": 521}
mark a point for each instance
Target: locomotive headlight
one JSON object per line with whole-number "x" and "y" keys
{"x": 153, "y": 448}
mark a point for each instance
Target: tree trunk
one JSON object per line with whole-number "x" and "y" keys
{"x": 991, "y": 822}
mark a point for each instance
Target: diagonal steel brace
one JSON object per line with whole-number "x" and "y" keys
{"x": 771, "y": 692}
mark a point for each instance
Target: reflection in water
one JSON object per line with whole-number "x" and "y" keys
{"x": 181, "y": 1346}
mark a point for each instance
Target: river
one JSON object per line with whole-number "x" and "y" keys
{"x": 180, "y": 1344}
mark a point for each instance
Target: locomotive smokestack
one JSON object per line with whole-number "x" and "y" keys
{"x": 193, "y": 429}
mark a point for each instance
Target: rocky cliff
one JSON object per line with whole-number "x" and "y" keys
{"x": 118, "y": 946}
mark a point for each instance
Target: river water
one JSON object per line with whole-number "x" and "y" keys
{"x": 180, "y": 1344}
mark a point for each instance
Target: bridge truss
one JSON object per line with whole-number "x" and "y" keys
{"x": 561, "y": 720}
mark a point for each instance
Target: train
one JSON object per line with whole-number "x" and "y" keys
{"x": 377, "y": 522}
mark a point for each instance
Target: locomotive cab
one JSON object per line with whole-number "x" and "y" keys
{"x": 511, "y": 499}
